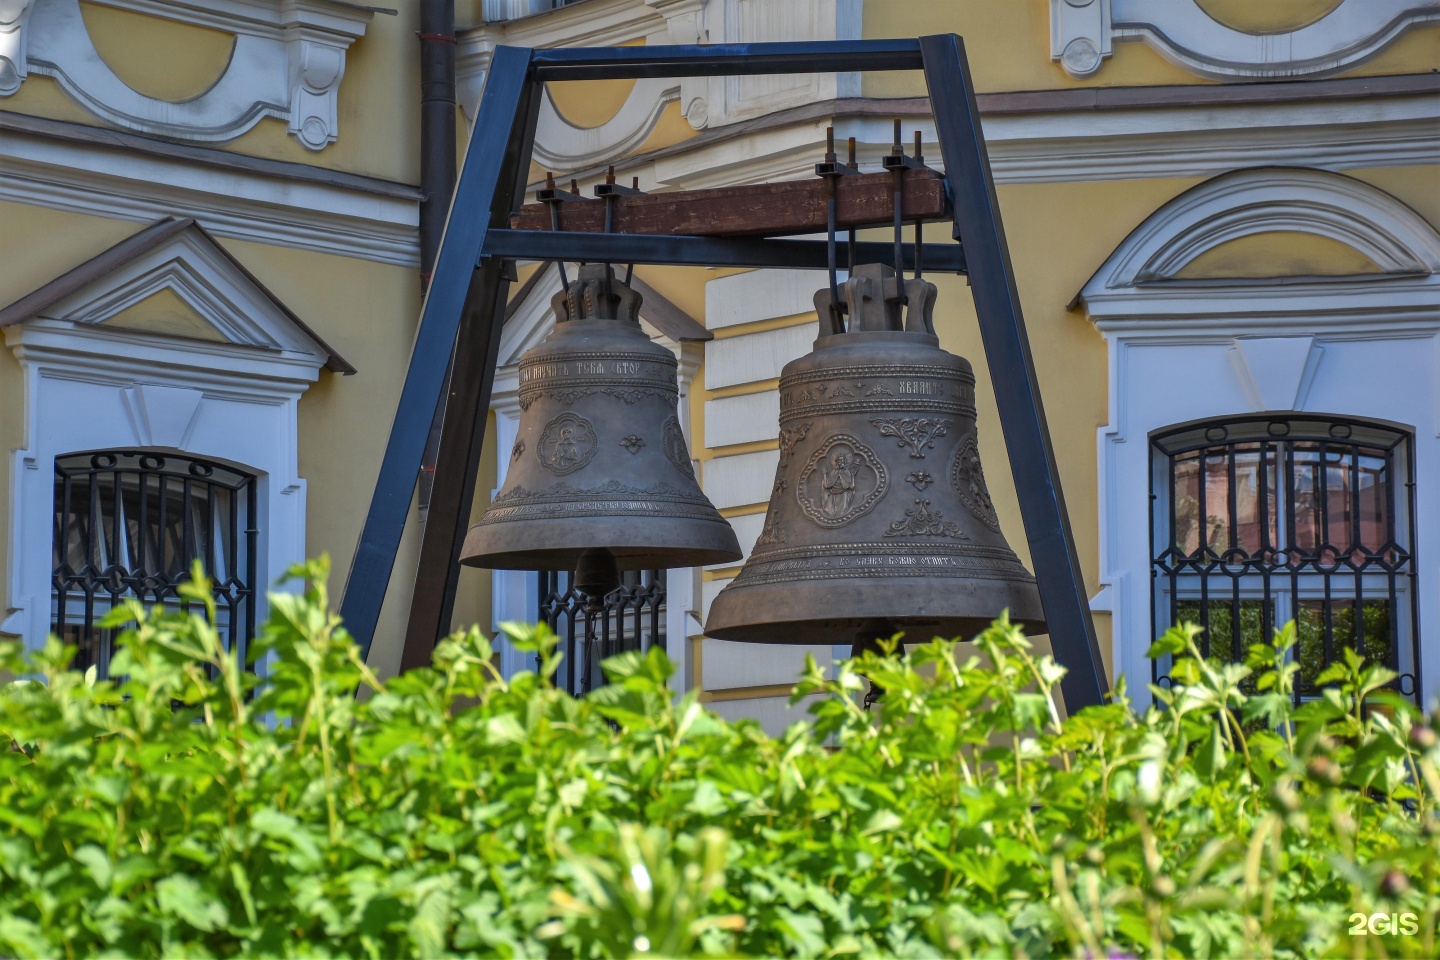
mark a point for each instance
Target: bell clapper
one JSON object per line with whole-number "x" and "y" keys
{"x": 596, "y": 576}
{"x": 868, "y": 637}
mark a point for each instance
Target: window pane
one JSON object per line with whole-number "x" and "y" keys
{"x": 1299, "y": 517}
{"x": 128, "y": 525}
{"x": 1187, "y": 505}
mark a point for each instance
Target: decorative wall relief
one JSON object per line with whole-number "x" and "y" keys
{"x": 288, "y": 61}
{"x": 1083, "y": 34}
{"x": 13, "y": 67}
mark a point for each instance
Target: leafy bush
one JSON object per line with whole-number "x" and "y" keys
{"x": 186, "y": 811}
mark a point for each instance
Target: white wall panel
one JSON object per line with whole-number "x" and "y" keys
{"x": 708, "y": 592}
{"x": 755, "y": 356}
{"x": 755, "y": 416}
{"x": 741, "y": 480}
{"x": 760, "y": 295}
{"x": 774, "y": 713}
{"x": 747, "y": 531}
{"x": 729, "y": 664}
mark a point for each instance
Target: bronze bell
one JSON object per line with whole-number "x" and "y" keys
{"x": 600, "y": 463}
{"x": 879, "y": 519}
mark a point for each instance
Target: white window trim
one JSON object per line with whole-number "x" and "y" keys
{"x": 1190, "y": 350}
{"x": 92, "y": 386}
{"x": 513, "y": 592}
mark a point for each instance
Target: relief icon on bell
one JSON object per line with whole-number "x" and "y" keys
{"x": 845, "y": 552}
{"x": 589, "y": 396}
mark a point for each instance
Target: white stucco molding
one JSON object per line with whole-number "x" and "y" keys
{"x": 92, "y": 385}
{"x": 1183, "y": 350}
{"x": 125, "y": 176}
{"x": 287, "y": 62}
{"x": 1083, "y": 34}
{"x": 14, "y": 16}
{"x": 1263, "y": 200}
{"x": 705, "y": 102}
{"x": 1080, "y": 135}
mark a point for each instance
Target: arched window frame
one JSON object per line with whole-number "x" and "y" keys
{"x": 1277, "y": 524}
{"x": 128, "y": 526}
{"x": 1183, "y": 350}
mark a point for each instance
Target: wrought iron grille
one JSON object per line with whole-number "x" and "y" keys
{"x": 129, "y": 524}
{"x": 1261, "y": 520}
{"x": 633, "y": 619}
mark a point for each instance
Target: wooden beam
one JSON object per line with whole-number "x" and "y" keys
{"x": 762, "y": 209}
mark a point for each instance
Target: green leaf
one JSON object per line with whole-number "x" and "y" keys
{"x": 1210, "y": 755}
{"x": 183, "y": 897}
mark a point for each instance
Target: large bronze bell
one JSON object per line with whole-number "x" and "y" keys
{"x": 879, "y": 519}
{"x": 599, "y": 468}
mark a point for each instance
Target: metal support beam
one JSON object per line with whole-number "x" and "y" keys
{"x": 465, "y": 307}
{"x": 725, "y": 59}
{"x": 490, "y": 187}
{"x": 462, "y": 435}
{"x": 1012, "y": 372}
{"x": 706, "y": 251}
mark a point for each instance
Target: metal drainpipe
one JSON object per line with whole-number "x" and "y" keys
{"x": 437, "y": 171}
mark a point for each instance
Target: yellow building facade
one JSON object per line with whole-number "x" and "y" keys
{"x": 1222, "y": 219}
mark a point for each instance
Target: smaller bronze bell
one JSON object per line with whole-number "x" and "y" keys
{"x": 600, "y": 462}
{"x": 880, "y": 519}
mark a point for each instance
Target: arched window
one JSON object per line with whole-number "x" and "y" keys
{"x": 129, "y": 524}
{"x": 1262, "y": 519}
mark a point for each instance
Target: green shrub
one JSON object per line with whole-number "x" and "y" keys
{"x": 185, "y": 811}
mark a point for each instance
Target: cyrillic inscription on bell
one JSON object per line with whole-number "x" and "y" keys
{"x": 879, "y": 519}
{"x": 600, "y": 461}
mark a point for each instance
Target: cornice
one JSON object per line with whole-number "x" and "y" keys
{"x": 69, "y": 166}
{"x": 1057, "y": 136}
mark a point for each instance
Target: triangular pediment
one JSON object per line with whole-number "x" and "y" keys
{"x": 173, "y": 281}
{"x": 166, "y": 314}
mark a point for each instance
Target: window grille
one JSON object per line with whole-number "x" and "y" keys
{"x": 493, "y": 11}
{"x": 633, "y": 618}
{"x": 1261, "y": 520}
{"x": 129, "y": 524}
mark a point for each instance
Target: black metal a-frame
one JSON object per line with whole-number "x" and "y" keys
{"x": 465, "y": 307}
